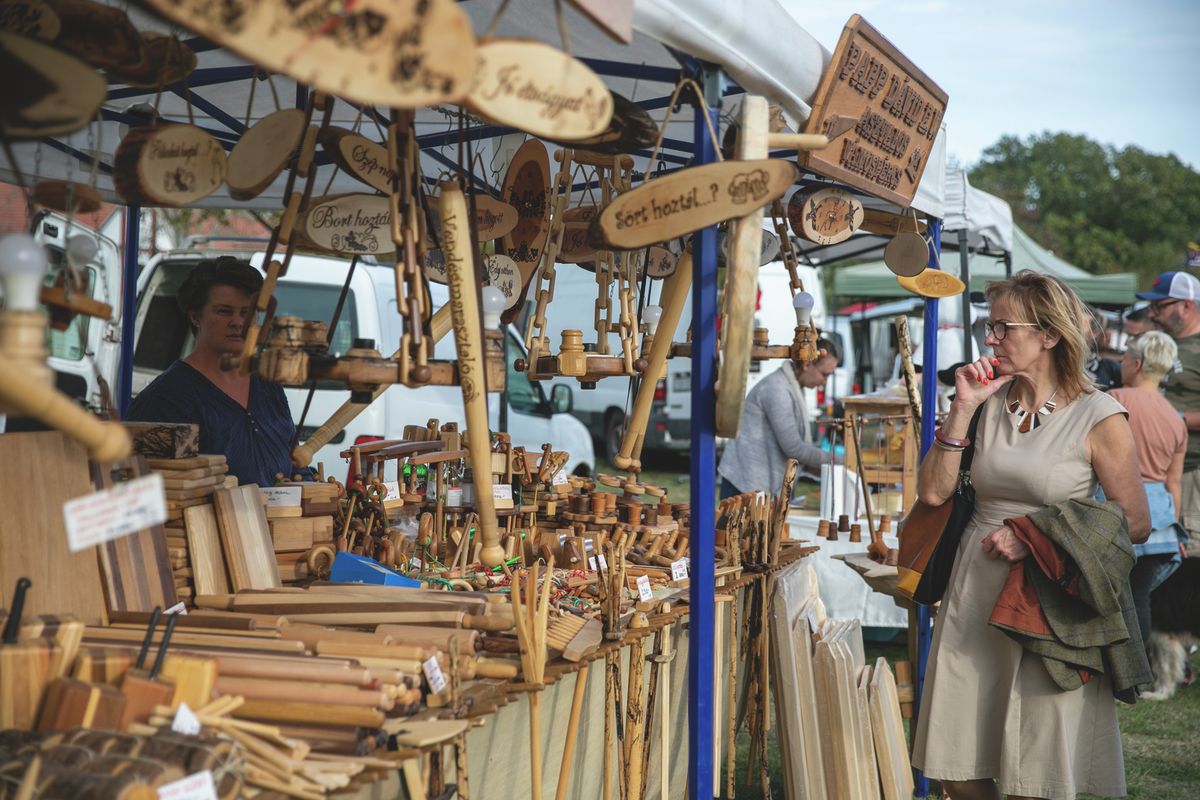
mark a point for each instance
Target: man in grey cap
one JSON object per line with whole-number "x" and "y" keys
{"x": 1175, "y": 307}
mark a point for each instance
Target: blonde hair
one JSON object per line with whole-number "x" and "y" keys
{"x": 1047, "y": 301}
{"x": 1156, "y": 350}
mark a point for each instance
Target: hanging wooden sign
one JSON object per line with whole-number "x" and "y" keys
{"x": 576, "y": 245}
{"x": 101, "y": 35}
{"x": 394, "y": 53}
{"x": 168, "y": 165}
{"x": 538, "y": 88}
{"x": 932, "y": 283}
{"x": 358, "y": 156}
{"x": 503, "y": 274}
{"x": 263, "y": 151}
{"x": 47, "y": 92}
{"x": 69, "y": 197}
{"x": 881, "y": 115}
{"x": 350, "y": 223}
{"x": 907, "y": 254}
{"x": 825, "y": 216}
{"x": 494, "y": 219}
{"x": 630, "y": 129}
{"x": 527, "y": 189}
{"x": 165, "y": 60}
{"x": 691, "y": 199}
{"x": 660, "y": 262}
{"x": 32, "y": 18}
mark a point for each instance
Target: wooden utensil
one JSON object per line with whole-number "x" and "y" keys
{"x": 24, "y": 667}
{"x": 143, "y": 690}
{"x": 933, "y": 283}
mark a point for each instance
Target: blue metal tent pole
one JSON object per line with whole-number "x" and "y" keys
{"x": 704, "y": 470}
{"x": 928, "y": 419}
{"x": 129, "y": 277}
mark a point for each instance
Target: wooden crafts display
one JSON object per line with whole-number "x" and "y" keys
{"x": 168, "y": 165}
{"x": 263, "y": 152}
{"x": 246, "y": 538}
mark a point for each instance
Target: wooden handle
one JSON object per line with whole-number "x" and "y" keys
{"x": 909, "y": 372}
{"x": 496, "y": 668}
{"x": 305, "y": 713}
{"x": 796, "y": 141}
{"x": 492, "y": 623}
{"x": 464, "y": 307}
{"x": 674, "y": 295}
{"x": 285, "y": 690}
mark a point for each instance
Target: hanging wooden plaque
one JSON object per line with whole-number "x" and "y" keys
{"x": 168, "y": 165}
{"x": 825, "y": 216}
{"x": 660, "y": 262}
{"x": 47, "y": 92}
{"x": 165, "y": 60}
{"x": 576, "y": 245}
{"x": 932, "y": 283}
{"x": 538, "y": 88}
{"x": 503, "y": 274}
{"x": 101, "y": 35}
{"x": 263, "y": 151}
{"x": 527, "y": 189}
{"x": 394, "y": 53}
{"x": 494, "y": 219}
{"x": 691, "y": 199}
{"x": 69, "y": 197}
{"x": 881, "y": 115}
{"x": 630, "y": 129}
{"x": 350, "y": 224}
{"x": 32, "y": 18}
{"x": 907, "y": 254}
{"x": 358, "y": 156}
{"x": 435, "y": 266}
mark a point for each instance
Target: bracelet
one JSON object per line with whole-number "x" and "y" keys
{"x": 959, "y": 444}
{"x": 942, "y": 445}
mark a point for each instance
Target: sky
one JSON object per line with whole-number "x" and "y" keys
{"x": 1120, "y": 73}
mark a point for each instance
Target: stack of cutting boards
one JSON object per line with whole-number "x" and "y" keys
{"x": 188, "y": 483}
{"x": 293, "y": 536}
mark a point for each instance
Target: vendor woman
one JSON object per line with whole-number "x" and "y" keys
{"x": 243, "y": 417}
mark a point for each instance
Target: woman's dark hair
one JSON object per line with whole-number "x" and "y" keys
{"x": 224, "y": 271}
{"x": 831, "y": 348}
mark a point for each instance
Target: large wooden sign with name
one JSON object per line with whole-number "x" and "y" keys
{"x": 395, "y": 53}
{"x": 691, "y": 199}
{"x": 881, "y": 115}
{"x": 350, "y": 224}
{"x": 540, "y": 89}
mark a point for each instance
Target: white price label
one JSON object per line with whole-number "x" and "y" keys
{"x": 185, "y": 721}
{"x": 393, "y": 490}
{"x": 679, "y": 570}
{"x": 417, "y": 563}
{"x": 178, "y": 608}
{"x": 277, "y": 496}
{"x": 454, "y": 496}
{"x": 643, "y": 584}
{"x": 501, "y": 491}
{"x": 112, "y": 513}
{"x": 603, "y": 562}
{"x": 433, "y": 674}
{"x": 559, "y": 479}
{"x": 194, "y": 787}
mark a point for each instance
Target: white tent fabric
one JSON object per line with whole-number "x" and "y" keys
{"x": 986, "y": 218}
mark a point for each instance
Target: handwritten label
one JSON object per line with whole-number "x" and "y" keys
{"x": 433, "y": 674}
{"x": 417, "y": 563}
{"x": 643, "y": 586}
{"x": 392, "y": 489}
{"x": 454, "y": 496}
{"x": 502, "y": 491}
{"x": 185, "y": 721}
{"x": 560, "y": 478}
{"x": 353, "y": 223}
{"x": 679, "y": 570}
{"x": 199, "y": 786}
{"x": 112, "y": 513}
{"x": 277, "y": 496}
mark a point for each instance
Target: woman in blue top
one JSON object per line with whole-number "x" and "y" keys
{"x": 241, "y": 416}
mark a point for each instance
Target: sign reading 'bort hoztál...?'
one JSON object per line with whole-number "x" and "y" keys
{"x": 352, "y": 223}
{"x": 881, "y": 115}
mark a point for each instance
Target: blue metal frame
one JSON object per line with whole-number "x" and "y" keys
{"x": 129, "y": 278}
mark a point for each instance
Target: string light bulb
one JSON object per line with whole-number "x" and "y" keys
{"x": 81, "y": 249}
{"x": 22, "y": 266}
{"x": 651, "y": 316}
{"x": 803, "y": 302}
{"x": 494, "y": 302}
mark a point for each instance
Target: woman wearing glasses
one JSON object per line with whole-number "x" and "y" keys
{"x": 992, "y": 719}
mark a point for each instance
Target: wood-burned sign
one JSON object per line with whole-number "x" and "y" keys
{"x": 503, "y": 274}
{"x": 527, "y": 189}
{"x": 395, "y": 53}
{"x": 660, "y": 262}
{"x": 691, "y": 199}
{"x": 881, "y": 115}
{"x": 350, "y": 223}
{"x": 358, "y": 156}
{"x": 538, "y": 88}
{"x": 825, "y": 216}
{"x": 494, "y": 219}
{"x": 168, "y": 165}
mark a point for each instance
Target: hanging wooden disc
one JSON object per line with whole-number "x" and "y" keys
{"x": 34, "y": 19}
{"x": 932, "y": 283}
{"x": 527, "y": 189}
{"x": 358, "y": 156}
{"x": 394, "y": 53}
{"x": 660, "y": 262}
{"x": 350, "y": 224}
{"x": 168, "y": 165}
{"x": 46, "y": 92}
{"x": 263, "y": 152}
{"x": 67, "y": 197}
{"x": 825, "y": 216}
{"x": 690, "y": 199}
{"x": 101, "y": 35}
{"x": 907, "y": 254}
{"x": 538, "y": 88}
{"x": 629, "y": 130}
{"x": 165, "y": 60}
{"x": 494, "y": 219}
{"x": 502, "y": 273}
{"x": 576, "y": 245}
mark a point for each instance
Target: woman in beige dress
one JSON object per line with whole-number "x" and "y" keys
{"x": 992, "y": 720}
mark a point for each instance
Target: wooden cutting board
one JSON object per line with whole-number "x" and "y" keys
{"x": 204, "y": 550}
{"x": 184, "y": 464}
{"x": 246, "y": 538}
{"x": 47, "y": 469}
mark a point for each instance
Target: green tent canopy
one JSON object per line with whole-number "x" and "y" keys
{"x": 872, "y": 280}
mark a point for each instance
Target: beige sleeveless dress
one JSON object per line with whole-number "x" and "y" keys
{"x": 990, "y": 710}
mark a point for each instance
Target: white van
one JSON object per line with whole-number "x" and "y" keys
{"x": 310, "y": 290}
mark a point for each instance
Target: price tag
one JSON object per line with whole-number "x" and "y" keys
{"x": 502, "y": 491}
{"x": 393, "y": 490}
{"x": 199, "y": 786}
{"x": 679, "y": 570}
{"x": 559, "y": 479}
{"x": 598, "y": 559}
{"x": 433, "y": 674}
{"x": 185, "y": 721}
{"x": 112, "y": 513}
{"x": 281, "y": 495}
{"x": 178, "y": 608}
{"x": 643, "y": 584}
{"x": 417, "y": 563}
{"x": 454, "y": 496}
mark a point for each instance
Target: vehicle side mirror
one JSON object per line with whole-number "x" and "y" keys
{"x": 561, "y": 399}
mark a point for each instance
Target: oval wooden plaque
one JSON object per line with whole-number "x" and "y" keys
{"x": 527, "y": 189}
{"x": 101, "y": 35}
{"x": 48, "y": 93}
{"x": 358, "y": 156}
{"x": 168, "y": 165}
{"x": 932, "y": 283}
{"x": 537, "y": 88}
{"x": 263, "y": 152}
{"x": 32, "y": 18}
{"x": 395, "y": 53}
{"x": 907, "y": 254}
{"x": 630, "y": 129}
{"x": 581, "y": 214}
{"x": 494, "y": 219}
{"x": 576, "y": 245}
{"x": 502, "y": 273}
{"x": 661, "y": 262}
{"x": 825, "y": 216}
{"x": 691, "y": 199}
{"x": 350, "y": 224}
{"x": 165, "y": 60}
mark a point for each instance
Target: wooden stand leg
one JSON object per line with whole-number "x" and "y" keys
{"x": 568, "y": 758}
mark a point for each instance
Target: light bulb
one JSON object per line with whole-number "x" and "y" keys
{"x": 22, "y": 265}
{"x": 81, "y": 249}
{"x": 803, "y": 302}
{"x": 651, "y": 315}
{"x": 494, "y": 302}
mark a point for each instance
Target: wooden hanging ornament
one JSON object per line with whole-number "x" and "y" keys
{"x": 494, "y": 219}
{"x": 527, "y": 189}
{"x": 660, "y": 262}
{"x": 263, "y": 152}
{"x": 538, "y": 88}
{"x": 932, "y": 283}
{"x": 502, "y": 273}
{"x": 350, "y": 224}
{"x": 394, "y": 53}
{"x": 630, "y": 129}
{"x": 825, "y": 216}
{"x": 168, "y": 165}
{"x": 34, "y": 19}
{"x": 165, "y": 60}
{"x": 99, "y": 34}
{"x": 907, "y": 254}
{"x": 358, "y": 156}
{"x": 47, "y": 92}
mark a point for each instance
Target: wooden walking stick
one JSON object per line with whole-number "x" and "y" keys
{"x": 464, "y": 304}
{"x": 852, "y": 432}
{"x": 568, "y": 758}
{"x": 909, "y": 372}
{"x": 530, "y": 615}
{"x": 635, "y": 723}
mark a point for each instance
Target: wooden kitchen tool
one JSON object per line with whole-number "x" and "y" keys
{"x": 246, "y": 538}
{"x": 24, "y": 667}
{"x": 143, "y": 690}
{"x": 204, "y": 550}
{"x": 907, "y": 254}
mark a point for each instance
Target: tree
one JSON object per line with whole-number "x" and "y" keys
{"x": 1102, "y": 209}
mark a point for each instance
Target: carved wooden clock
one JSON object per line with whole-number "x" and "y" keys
{"x": 825, "y": 216}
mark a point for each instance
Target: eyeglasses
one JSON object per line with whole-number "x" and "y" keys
{"x": 1156, "y": 308}
{"x": 999, "y": 329}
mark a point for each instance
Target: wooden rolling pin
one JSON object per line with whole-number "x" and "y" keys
{"x": 312, "y": 634}
{"x": 196, "y": 619}
{"x": 288, "y": 690}
{"x": 305, "y": 713}
{"x": 469, "y": 642}
{"x": 357, "y": 650}
{"x": 102, "y": 635}
{"x": 445, "y": 619}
